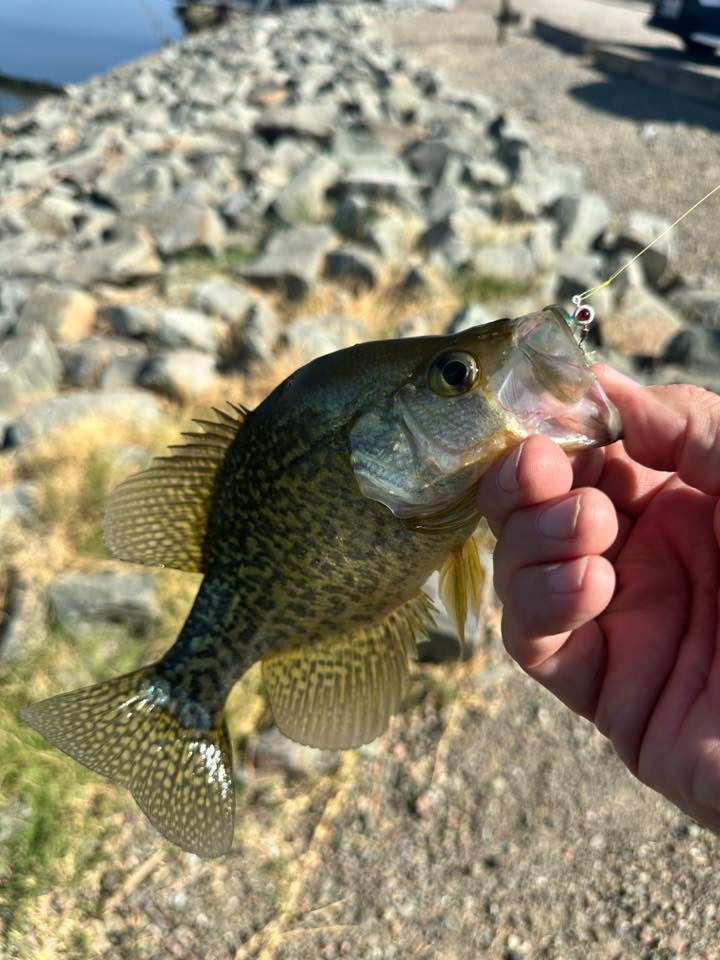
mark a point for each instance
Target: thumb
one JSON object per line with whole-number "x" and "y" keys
{"x": 673, "y": 428}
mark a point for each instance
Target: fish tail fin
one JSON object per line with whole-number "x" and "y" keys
{"x": 170, "y": 753}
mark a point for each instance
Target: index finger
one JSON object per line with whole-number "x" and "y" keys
{"x": 670, "y": 428}
{"x": 535, "y": 471}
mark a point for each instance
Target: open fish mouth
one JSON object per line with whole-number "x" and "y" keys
{"x": 547, "y": 384}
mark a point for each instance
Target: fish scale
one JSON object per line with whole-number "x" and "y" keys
{"x": 315, "y": 520}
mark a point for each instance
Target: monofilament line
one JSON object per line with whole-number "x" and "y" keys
{"x": 606, "y": 283}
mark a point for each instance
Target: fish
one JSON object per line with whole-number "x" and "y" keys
{"x": 315, "y": 519}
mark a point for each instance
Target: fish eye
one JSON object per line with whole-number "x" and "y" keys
{"x": 453, "y": 373}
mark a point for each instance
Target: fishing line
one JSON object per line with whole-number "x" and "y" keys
{"x": 586, "y": 294}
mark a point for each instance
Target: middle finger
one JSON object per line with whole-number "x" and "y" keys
{"x": 580, "y": 523}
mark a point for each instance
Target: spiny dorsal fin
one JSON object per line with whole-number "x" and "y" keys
{"x": 342, "y": 691}
{"x": 460, "y": 585}
{"x": 159, "y": 516}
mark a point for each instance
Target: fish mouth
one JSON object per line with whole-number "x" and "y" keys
{"x": 547, "y": 384}
{"x": 593, "y": 422}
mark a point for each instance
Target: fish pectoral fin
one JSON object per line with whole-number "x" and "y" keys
{"x": 341, "y": 692}
{"x": 460, "y": 585}
{"x": 180, "y": 776}
{"x": 159, "y": 516}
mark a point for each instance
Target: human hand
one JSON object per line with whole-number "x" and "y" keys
{"x": 609, "y": 571}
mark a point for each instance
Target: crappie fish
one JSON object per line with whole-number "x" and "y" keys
{"x": 315, "y": 519}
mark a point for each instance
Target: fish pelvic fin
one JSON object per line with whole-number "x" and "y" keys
{"x": 174, "y": 759}
{"x": 341, "y": 691}
{"x": 159, "y": 516}
{"x": 460, "y": 584}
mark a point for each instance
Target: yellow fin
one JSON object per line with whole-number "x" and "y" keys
{"x": 341, "y": 692}
{"x": 461, "y": 580}
{"x": 159, "y": 516}
{"x": 180, "y": 775}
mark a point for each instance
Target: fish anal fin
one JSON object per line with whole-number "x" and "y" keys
{"x": 341, "y": 691}
{"x": 179, "y": 775}
{"x": 460, "y": 584}
{"x": 159, "y": 516}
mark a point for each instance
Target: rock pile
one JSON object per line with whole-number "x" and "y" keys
{"x": 161, "y": 226}
{"x": 283, "y": 155}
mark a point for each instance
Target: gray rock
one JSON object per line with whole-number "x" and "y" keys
{"x": 403, "y": 101}
{"x": 44, "y": 417}
{"x": 513, "y": 140}
{"x": 354, "y": 266}
{"x": 253, "y": 337}
{"x": 701, "y": 305}
{"x": 304, "y": 198}
{"x": 29, "y": 367}
{"x": 171, "y": 327}
{"x": 315, "y": 121}
{"x": 244, "y": 212}
{"x": 635, "y": 232}
{"x": 418, "y": 325}
{"x": 444, "y": 200}
{"x": 123, "y": 372}
{"x": 13, "y": 294}
{"x": 695, "y": 349}
{"x": 79, "y": 600}
{"x": 54, "y": 213}
{"x": 127, "y": 259}
{"x": 85, "y": 363}
{"x": 486, "y": 174}
{"x": 223, "y": 299}
{"x": 581, "y": 220}
{"x": 18, "y": 504}
{"x": 643, "y": 317}
{"x": 179, "y": 374}
{"x": 287, "y": 157}
{"x": 28, "y": 256}
{"x": 22, "y": 627}
{"x": 181, "y": 225}
{"x": 68, "y": 315}
{"x": 457, "y": 235}
{"x": 583, "y": 271}
{"x": 271, "y": 751}
{"x": 393, "y": 235}
{"x": 512, "y": 262}
{"x": 471, "y": 315}
{"x": 699, "y": 376}
{"x": 541, "y": 241}
{"x": 353, "y": 216}
{"x": 546, "y": 179}
{"x": 293, "y": 260}
{"x": 137, "y": 185}
{"x": 310, "y": 337}
{"x": 429, "y": 157}
{"x": 372, "y": 170}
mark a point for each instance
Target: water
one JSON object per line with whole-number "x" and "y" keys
{"x": 51, "y": 42}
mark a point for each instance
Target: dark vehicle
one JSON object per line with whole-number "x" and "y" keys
{"x": 697, "y": 22}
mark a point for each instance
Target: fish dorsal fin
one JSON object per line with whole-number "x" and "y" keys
{"x": 341, "y": 692}
{"x": 159, "y": 516}
{"x": 460, "y": 586}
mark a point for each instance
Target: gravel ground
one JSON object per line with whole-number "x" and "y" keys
{"x": 640, "y": 147}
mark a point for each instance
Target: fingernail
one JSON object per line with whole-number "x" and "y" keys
{"x": 567, "y": 577}
{"x": 560, "y": 520}
{"x": 507, "y": 476}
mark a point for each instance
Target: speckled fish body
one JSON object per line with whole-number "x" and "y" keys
{"x": 315, "y": 519}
